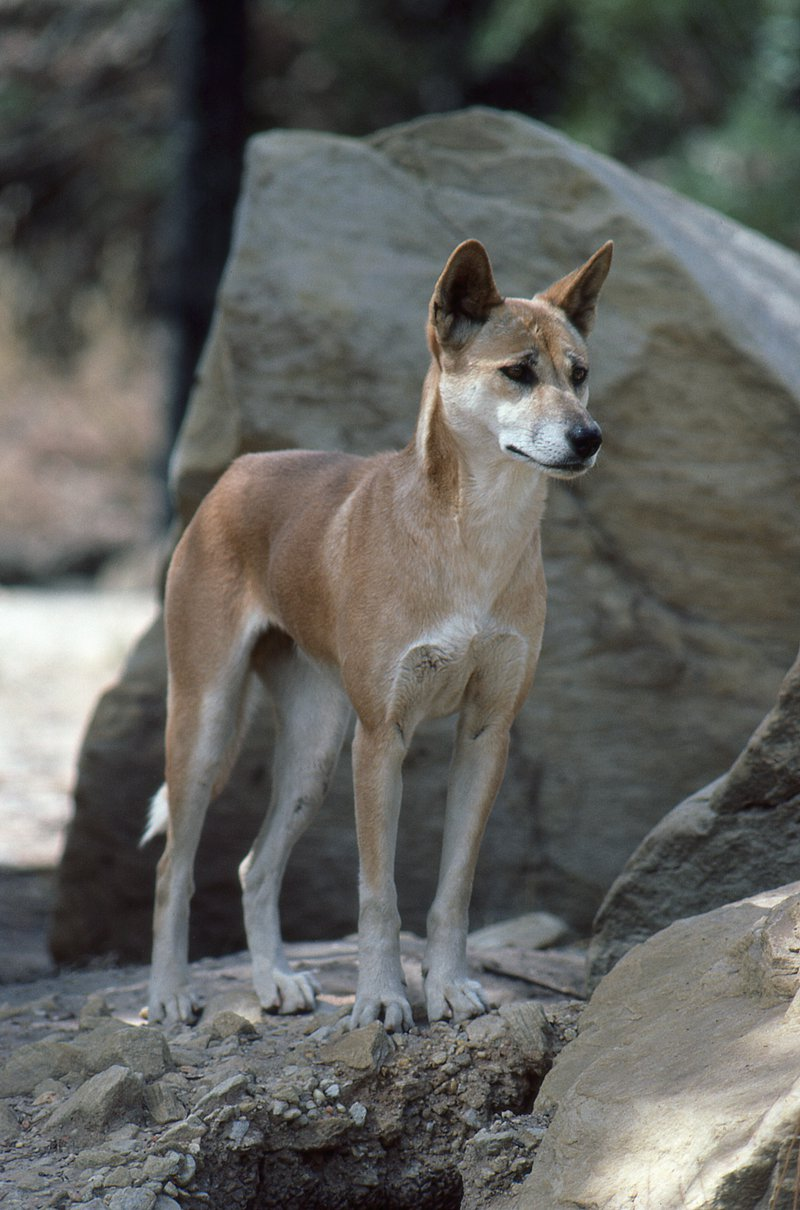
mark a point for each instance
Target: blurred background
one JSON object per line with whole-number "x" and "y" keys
{"x": 122, "y": 127}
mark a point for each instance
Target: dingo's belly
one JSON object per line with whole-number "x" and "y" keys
{"x": 432, "y": 676}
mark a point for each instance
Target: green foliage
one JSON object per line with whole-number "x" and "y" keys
{"x": 704, "y": 96}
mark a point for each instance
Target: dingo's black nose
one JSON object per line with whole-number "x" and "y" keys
{"x": 585, "y": 439}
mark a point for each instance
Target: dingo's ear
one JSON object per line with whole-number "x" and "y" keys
{"x": 464, "y": 295}
{"x": 576, "y": 294}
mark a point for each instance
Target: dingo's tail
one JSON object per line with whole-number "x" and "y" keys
{"x": 157, "y": 817}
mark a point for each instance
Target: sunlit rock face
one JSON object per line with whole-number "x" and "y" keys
{"x": 680, "y": 1092}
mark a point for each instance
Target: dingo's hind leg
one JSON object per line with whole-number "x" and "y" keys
{"x": 311, "y": 712}
{"x": 203, "y": 726}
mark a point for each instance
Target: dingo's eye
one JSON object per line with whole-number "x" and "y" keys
{"x": 579, "y": 374}
{"x": 522, "y": 372}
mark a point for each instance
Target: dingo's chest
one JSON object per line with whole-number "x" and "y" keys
{"x": 432, "y": 676}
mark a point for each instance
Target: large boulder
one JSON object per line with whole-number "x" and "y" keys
{"x": 681, "y": 1090}
{"x": 673, "y": 568}
{"x": 729, "y": 840}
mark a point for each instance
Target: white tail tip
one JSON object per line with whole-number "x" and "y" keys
{"x": 157, "y": 818}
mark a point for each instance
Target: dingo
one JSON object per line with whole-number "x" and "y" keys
{"x": 407, "y": 585}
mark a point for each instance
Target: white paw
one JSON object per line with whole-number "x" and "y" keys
{"x": 287, "y": 992}
{"x": 392, "y": 1008}
{"x": 180, "y": 1004}
{"x": 455, "y": 999}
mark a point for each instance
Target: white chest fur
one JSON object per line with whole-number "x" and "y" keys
{"x": 433, "y": 675}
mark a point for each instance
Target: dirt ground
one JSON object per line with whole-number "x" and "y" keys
{"x": 59, "y": 649}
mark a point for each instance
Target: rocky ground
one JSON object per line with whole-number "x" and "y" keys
{"x": 247, "y": 1110}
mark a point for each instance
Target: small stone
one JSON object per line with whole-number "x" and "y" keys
{"x": 223, "y": 1093}
{"x": 484, "y": 1031}
{"x": 186, "y": 1170}
{"x": 109, "y": 1155}
{"x": 528, "y": 1026}
{"x": 228, "y": 1024}
{"x": 131, "y": 1199}
{"x": 241, "y": 1002}
{"x": 48, "y": 1092}
{"x": 118, "y": 1178}
{"x": 161, "y": 1167}
{"x": 358, "y": 1113}
{"x": 163, "y": 1202}
{"x": 365, "y": 1049}
{"x": 94, "y": 1010}
{"x": 183, "y": 1133}
{"x": 9, "y": 1124}
{"x": 238, "y": 1129}
{"x": 163, "y": 1103}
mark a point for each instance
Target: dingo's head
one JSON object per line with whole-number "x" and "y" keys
{"x": 516, "y": 369}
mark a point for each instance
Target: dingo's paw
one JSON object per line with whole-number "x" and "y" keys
{"x": 455, "y": 999}
{"x": 285, "y": 992}
{"x": 172, "y": 1006}
{"x": 392, "y": 1007}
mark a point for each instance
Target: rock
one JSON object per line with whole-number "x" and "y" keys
{"x": 528, "y": 1026}
{"x": 673, "y": 569}
{"x": 163, "y": 1202}
{"x": 681, "y": 1090}
{"x": 132, "y": 1199}
{"x": 365, "y": 1049}
{"x": 98, "y": 1103}
{"x": 141, "y": 1048}
{"x": 95, "y": 1012}
{"x": 39, "y": 1061}
{"x": 243, "y": 1002}
{"x": 230, "y": 1025}
{"x": 163, "y": 1103}
{"x": 738, "y": 836}
{"x": 9, "y": 1124}
{"x": 534, "y": 930}
{"x": 109, "y": 1155}
{"x": 184, "y": 1133}
{"x": 563, "y": 972}
{"x": 228, "y": 1092}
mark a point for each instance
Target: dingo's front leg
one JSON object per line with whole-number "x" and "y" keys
{"x": 377, "y": 762}
{"x": 478, "y": 765}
